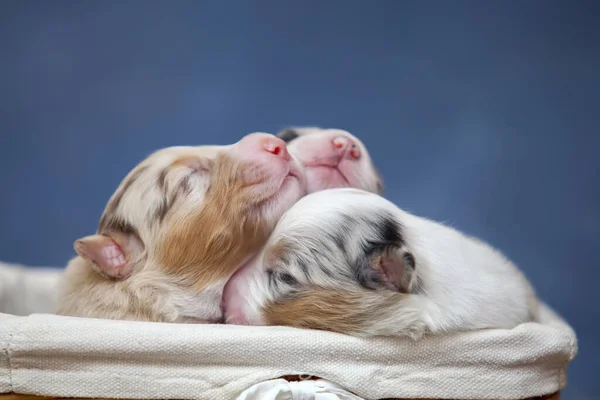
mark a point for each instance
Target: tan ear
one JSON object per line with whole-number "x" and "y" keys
{"x": 398, "y": 268}
{"x": 111, "y": 256}
{"x": 391, "y": 268}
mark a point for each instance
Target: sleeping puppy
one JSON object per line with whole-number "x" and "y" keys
{"x": 136, "y": 236}
{"x": 349, "y": 261}
{"x": 177, "y": 228}
{"x": 332, "y": 158}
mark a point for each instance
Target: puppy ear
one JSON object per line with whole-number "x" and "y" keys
{"x": 391, "y": 268}
{"x": 112, "y": 256}
{"x": 287, "y": 134}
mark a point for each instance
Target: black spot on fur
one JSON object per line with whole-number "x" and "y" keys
{"x": 270, "y": 277}
{"x": 301, "y": 262}
{"x": 409, "y": 260}
{"x": 287, "y": 135}
{"x": 387, "y": 233}
{"x": 317, "y": 254}
{"x": 288, "y": 279}
{"x": 276, "y": 278}
{"x": 390, "y": 231}
{"x": 339, "y": 239}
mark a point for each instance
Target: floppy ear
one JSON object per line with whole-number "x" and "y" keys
{"x": 391, "y": 268}
{"x": 112, "y": 256}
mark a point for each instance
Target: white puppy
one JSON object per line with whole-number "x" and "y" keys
{"x": 350, "y": 261}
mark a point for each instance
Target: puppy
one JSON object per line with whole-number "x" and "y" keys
{"x": 332, "y": 158}
{"x": 177, "y": 228}
{"x": 349, "y": 261}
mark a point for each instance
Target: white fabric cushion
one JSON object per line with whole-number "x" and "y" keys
{"x": 26, "y": 290}
{"x": 71, "y": 357}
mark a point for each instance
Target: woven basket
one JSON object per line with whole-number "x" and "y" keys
{"x": 62, "y": 357}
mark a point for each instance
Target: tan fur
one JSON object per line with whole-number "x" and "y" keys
{"x": 197, "y": 215}
{"x": 106, "y": 298}
{"x": 205, "y": 248}
{"x": 325, "y": 309}
{"x": 278, "y": 251}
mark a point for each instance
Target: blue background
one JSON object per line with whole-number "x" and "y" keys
{"x": 484, "y": 115}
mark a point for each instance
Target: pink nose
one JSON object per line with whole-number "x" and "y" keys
{"x": 258, "y": 142}
{"x": 347, "y": 147}
{"x": 276, "y": 146}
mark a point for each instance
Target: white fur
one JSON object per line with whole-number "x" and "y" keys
{"x": 464, "y": 283}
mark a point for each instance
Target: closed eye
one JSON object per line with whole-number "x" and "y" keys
{"x": 194, "y": 167}
{"x": 187, "y": 170}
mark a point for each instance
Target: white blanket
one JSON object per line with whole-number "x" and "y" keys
{"x": 25, "y": 291}
{"x": 72, "y": 357}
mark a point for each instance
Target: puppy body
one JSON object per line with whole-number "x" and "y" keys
{"x": 349, "y": 261}
{"x": 151, "y": 295}
{"x": 177, "y": 228}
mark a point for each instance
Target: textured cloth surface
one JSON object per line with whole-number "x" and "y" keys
{"x": 62, "y": 356}
{"x": 26, "y": 290}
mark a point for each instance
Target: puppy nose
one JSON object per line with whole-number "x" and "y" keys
{"x": 276, "y": 146}
{"x": 348, "y": 147}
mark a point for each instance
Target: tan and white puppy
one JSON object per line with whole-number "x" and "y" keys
{"x": 349, "y": 261}
{"x": 177, "y": 228}
{"x": 332, "y": 158}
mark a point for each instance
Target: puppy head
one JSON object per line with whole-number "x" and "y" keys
{"x": 337, "y": 260}
{"x": 332, "y": 158}
{"x": 195, "y": 213}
